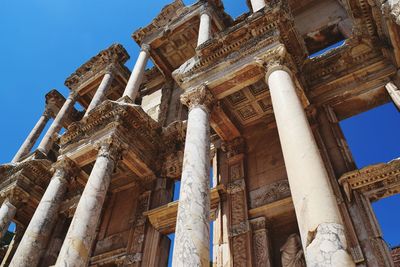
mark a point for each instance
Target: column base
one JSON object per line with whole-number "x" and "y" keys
{"x": 327, "y": 247}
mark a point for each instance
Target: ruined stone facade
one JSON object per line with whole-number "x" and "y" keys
{"x": 241, "y": 99}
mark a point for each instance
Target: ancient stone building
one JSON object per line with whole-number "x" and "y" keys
{"x": 242, "y": 101}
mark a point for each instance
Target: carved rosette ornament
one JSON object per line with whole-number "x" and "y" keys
{"x": 198, "y": 97}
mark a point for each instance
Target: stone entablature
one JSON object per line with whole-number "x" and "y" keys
{"x": 375, "y": 182}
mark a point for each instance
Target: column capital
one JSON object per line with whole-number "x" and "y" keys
{"x": 111, "y": 69}
{"x": 73, "y": 95}
{"x": 146, "y": 48}
{"x": 235, "y": 147}
{"x": 275, "y": 59}
{"x": 48, "y": 113}
{"x": 65, "y": 168}
{"x": 198, "y": 97}
{"x": 111, "y": 148}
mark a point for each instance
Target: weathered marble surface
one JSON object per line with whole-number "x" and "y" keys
{"x": 192, "y": 235}
{"x": 257, "y": 5}
{"x": 7, "y": 213}
{"x": 135, "y": 80}
{"x": 77, "y": 245}
{"x": 101, "y": 92}
{"x": 204, "y": 28}
{"x": 32, "y": 137}
{"x": 37, "y": 234}
{"x": 308, "y": 178}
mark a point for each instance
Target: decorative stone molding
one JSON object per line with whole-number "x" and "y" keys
{"x": 376, "y": 181}
{"x": 269, "y": 193}
{"x": 67, "y": 168}
{"x": 234, "y": 148}
{"x": 111, "y": 148}
{"x": 198, "y": 97}
{"x": 236, "y": 186}
{"x": 261, "y": 242}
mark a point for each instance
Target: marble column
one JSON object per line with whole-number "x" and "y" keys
{"x": 394, "y": 93}
{"x": 204, "y": 28}
{"x": 192, "y": 236}
{"x": 136, "y": 78}
{"x": 320, "y": 224}
{"x": 101, "y": 92}
{"x": 76, "y": 249}
{"x": 257, "y": 4}
{"x": 37, "y": 234}
{"x": 7, "y": 213}
{"x": 33, "y": 136}
{"x": 48, "y": 140}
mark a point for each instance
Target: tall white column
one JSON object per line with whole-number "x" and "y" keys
{"x": 257, "y": 5}
{"x": 192, "y": 235}
{"x": 76, "y": 249}
{"x": 101, "y": 92}
{"x": 48, "y": 140}
{"x": 7, "y": 213}
{"x": 136, "y": 78}
{"x": 37, "y": 234}
{"x": 204, "y": 28}
{"x": 321, "y": 227}
{"x": 33, "y": 136}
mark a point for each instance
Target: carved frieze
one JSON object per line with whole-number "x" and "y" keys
{"x": 269, "y": 193}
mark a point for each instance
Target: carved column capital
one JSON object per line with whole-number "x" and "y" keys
{"x": 73, "y": 95}
{"x": 146, "y": 48}
{"x": 111, "y": 69}
{"x": 48, "y": 113}
{"x": 198, "y": 97}
{"x": 111, "y": 148}
{"x": 275, "y": 59}
{"x": 65, "y": 168}
{"x": 235, "y": 147}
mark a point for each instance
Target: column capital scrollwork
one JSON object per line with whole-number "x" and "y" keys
{"x": 111, "y": 148}
{"x": 235, "y": 147}
{"x": 200, "y": 96}
{"x": 73, "y": 95}
{"x": 65, "y": 168}
{"x": 48, "y": 113}
{"x": 146, "y": 48}
{"x": 275, "y": 59}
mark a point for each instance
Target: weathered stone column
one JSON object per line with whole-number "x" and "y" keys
{"x": 394, "y": 93}
{"x": 321, "y": 227}
{"x": 7, "y": 213}
{"x": 77, "y": 245}
{"x": 36, "y": 236}
{"x": 257, "y": 5}
{"x": 48, "y": 140}
{"x": 33, "y": 136}
{"x": 204, "y": 28}
{"x": 135, "y": 80}
{"x": 192, "y": 235}
{"x": 101, "y": 92}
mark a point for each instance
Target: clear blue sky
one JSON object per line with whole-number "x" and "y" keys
{"x": 45, "y": 41}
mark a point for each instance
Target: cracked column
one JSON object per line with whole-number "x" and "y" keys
{"x": 204, "y": 28}
{"x": 136, "y": 78}
{"x": 36, "y": 236}
{"x": 257, "y": 5}
{"x": 192, "y": 236}
{"x": 101, "y": 92}
{"x": 48, "y": 140}
{"x": 321, "y": 227}
{"x": 33, "y": 136}
{"x": 7, "y": 213}
{"x": 76, "y": 249}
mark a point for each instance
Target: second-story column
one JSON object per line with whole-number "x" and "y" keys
{"x": 204, "y": 28}
{"x": 7, "y": 213}
{"x": 320, "y": 223}
{"x": 48, "y": 140}
{"x": 101, "y": 92}
{"x": 33, "y": 136}
{"x": 36, "y": 236}
{"x": 192, "y": 235}
{"x": 76, "y": 249}
{"x": 136, "y": 78}
{"x": 257, "y": 4}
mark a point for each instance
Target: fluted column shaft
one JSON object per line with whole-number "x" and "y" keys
{"x": 37, "y": 234}
{"x": 257, "y": 5}
{"x": 48, "y": 140}
{"x": 204, "y": 28}
{"x": 101, "y": 92}
{"x": 32, "y": 137}
{"x": 7, "y": 213}
{"x": 136, "y": 78}
{"x": 321, "y": 227}
{"x": 192, "y": 236}
{"x": 77, "y": 245}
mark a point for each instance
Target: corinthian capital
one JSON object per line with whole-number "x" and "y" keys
{"x": 111, "y": 148}
{"x": 65, "y": 168}
{"x": 198, "y": 97}
{"x": 275, "y": 59}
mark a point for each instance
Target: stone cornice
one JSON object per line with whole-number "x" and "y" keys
{"x": 376, "y": 181}
{"x": 115, "y": 54}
